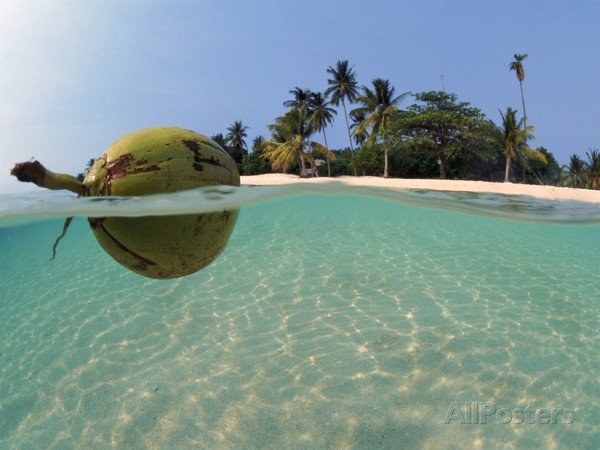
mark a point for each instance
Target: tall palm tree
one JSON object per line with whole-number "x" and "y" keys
{"x": 301, "y": 98}
{"x": 235, "y": 139}
{"x": 321, "y": 115}
{"x": 289, "y": 140}
{"x": 593, "y": 169}
{"x": 343, "y": 86}
{"x": 518, "y": 68}
{"x": 574, "y": 174}
{"x": 378, "y": 105}
{"x": 515, "y": 135}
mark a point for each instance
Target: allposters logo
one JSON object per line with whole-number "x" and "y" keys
{"x": 473, "y": 413}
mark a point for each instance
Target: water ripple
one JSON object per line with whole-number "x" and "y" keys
{"x": 19, "y": 209}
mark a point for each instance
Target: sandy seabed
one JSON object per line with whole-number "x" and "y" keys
{"x": 346, "y": 324}
{"x": 546, "y": 192}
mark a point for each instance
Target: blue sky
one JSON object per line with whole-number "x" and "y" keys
{"x": 77, "y": 75}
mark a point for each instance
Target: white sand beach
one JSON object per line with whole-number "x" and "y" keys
{"x": 546, "y": 192}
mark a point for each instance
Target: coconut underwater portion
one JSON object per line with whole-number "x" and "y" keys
{"x": 152, "y": 161}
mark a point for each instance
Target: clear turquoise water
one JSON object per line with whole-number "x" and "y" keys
{"x": 330, "y": 321}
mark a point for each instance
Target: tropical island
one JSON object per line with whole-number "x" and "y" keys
{"x": 435, "y": 137}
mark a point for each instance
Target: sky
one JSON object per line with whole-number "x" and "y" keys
{"x": 76, "y": 75}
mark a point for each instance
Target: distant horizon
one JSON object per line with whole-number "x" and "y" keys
{"x": 77, "y": 76}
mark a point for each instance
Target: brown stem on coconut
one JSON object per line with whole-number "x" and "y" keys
{"x": 64, "y": 231}
{"x": 34, "y": 172}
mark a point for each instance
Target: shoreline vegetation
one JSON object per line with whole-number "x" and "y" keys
{"x": 436, "y": 137}
{"x": 536, "y": 191}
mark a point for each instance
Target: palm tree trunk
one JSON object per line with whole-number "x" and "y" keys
{"x": 302, "y": 166}
{"x": 507, "y": 172}
{"x": 524, "y": 123}
{"x": 385, "y": 166}
{"x": 442, "y": 168}
{"x": 524, "y": 113}
{"x": 348, "y": 127}
{"x": 327, "y": 154}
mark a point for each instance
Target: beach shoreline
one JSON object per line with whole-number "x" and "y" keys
{"x": 542, "y": 192}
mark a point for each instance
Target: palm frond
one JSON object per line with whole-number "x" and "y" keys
{"x": 535, "y": 155}
{"x": 342, "y": 84}
{"x": 320, "y": 149}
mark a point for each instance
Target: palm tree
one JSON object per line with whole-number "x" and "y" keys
{"x": 515, "y": 136}
{"x": 518, "y": 68}
{"x": 235, "y": 138}
{"x": 574, "y": 174}
{"x": 290, "y": 140}
{"x": 277, "y": 150}
{"x": 321, "y": 115}
{"x": 81, "y": 176}
{"x": 361, "y": 135}
{"x": 301, "y": 98}
{"x": 220, "y": 140}
{"x": 342, "y": 86}
{"x": 377, "y": 107}
{"x": 593, "y": 169}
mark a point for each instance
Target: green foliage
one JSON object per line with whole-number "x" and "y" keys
{"x": 235, "y": 141}
{"x": 517, "y": 66}
{"x": 368, "y": 160}
{"x": 342, "y": 86}
{"x": 581, "y": 174}
{"x": 435, "y": 136}
{"x": 403, "y": 162}
{"x": 377, "y": 106}
{"x": 253, "y": 163}
{"x": 301, "y": 98}
{"x": 574, "y": 175}
{"x": 358, "y": 132}
{"x": 593, "y": 169}
{"x": 341, "y": 165}
{"x": 538, "y": 170}
{"x": 484, "y": 159}
{"x": 220, "y": 140}
{"x": 441, "y": 127}
{"x": 290, "y": 140}
{"x": 321, "y": 115}
{"x": 515, "y": 135}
